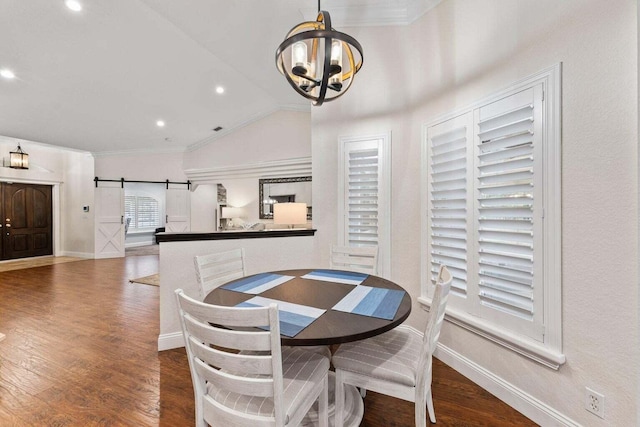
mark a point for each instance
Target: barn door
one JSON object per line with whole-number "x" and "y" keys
{"x": 178, "y": 219}
{"x": 109, "y": 221}
{"x": 26, "y": 214}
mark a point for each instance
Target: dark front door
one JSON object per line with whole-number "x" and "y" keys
{"x": 26, "y": 220}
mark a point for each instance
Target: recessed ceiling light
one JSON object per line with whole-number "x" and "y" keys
{"x": 219, "y": 89}
{"x": 7, "y": 74}
{"x": 160, "y": 123}
{"x": 74, "y": 5}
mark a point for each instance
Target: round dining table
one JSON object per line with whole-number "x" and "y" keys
{"x": 332, "y": 327}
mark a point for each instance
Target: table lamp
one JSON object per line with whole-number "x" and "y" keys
{"x": 228, "y": 214}
{"x": 290, "y": 213}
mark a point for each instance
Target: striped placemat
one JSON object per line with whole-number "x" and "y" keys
{"x": 336, "y": 276}
{"x": 258, "y": 283}
{"x": 373, "y": 302}
{"x": 293, "y": 317}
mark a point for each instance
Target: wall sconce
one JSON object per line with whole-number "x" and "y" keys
{"x": 228, "y": 214}
{"x": 18, "y": 159}
{"x": 290, "y": 213}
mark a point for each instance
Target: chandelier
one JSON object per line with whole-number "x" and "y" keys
{"x": 319, "y": 62}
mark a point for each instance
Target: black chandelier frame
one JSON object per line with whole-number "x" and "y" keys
{"x": 315, "y": 34}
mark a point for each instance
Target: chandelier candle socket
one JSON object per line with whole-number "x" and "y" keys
{"x": 319, "y": 62}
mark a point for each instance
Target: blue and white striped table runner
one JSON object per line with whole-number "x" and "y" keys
{"x": 373, "y": 302}
{"x": 258, "y": 283}
{"x": 346, "y": 277}
{"x": 293, "y": 317}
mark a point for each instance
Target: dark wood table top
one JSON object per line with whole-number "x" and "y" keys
{"x": 333, "y": 327}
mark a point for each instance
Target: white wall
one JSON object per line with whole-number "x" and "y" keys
{"x": 281, "y": 135}
{"x": 460, "y": 52}
{"x": 141, "y": 166}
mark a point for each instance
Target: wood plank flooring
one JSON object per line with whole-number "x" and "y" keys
{"x": 81, "y": 350}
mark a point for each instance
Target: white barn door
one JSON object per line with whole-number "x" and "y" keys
{"x": 109, "y": 238}
{"x": 178, "y": 213}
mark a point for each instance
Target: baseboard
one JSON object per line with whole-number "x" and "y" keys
{"x": 534, "y": 409}
{"x": 169, "y": 341}
{"x": 88, "y": 255}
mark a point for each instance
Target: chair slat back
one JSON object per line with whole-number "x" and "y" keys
{"x": 434, "y": 325}
{"x": 216, "y": 269}
{"x": 359, "y": 259}
{"x": 215, "y": 351}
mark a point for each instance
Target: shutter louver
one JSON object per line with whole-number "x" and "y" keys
{"x": 363, "y": 198}
{"x": 448, "y": 211}
{"x": 505, "y": 225}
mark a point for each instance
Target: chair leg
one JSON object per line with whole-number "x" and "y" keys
{"x": 338, "y": 420}
{"x": 323, "y": 405}
{"x": 421, "y": 414}
{"x": 432, "y": 412}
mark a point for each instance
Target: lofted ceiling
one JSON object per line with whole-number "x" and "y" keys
{"x": 99, "y": 79}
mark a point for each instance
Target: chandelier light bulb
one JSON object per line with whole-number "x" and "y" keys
{"x": 299, "y": 55}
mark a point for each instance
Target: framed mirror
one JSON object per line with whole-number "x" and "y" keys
{"x": 283, "y": 190}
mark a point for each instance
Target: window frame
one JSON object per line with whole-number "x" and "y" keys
{"x": 549, "y": 351}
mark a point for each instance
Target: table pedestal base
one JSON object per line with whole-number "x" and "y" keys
{"x": 353, "y": 406}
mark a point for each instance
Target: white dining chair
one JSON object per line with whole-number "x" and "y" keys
{"x": 397, "y": 363}
{"x": 362, "y": 259}
{"x": 216, "y": 269}
{"x": 242, "y": 377}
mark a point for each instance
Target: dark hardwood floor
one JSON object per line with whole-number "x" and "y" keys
{"x": 81, "y": 350}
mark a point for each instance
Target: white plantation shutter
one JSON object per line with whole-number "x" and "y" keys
{"x": 491, "y": 214}
{"x": 144, "y": 211}
{"x": 509, "y": 210}
{"x": 448, "y": 210}
{"x": 362, "y": 195}
{"x": 364, "y": 187}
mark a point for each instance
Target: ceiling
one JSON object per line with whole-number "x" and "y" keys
{"x": 98, "y": 80}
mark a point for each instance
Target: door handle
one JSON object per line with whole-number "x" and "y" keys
{"x": 121, "y": 219}
{"x": 166, "y": 218}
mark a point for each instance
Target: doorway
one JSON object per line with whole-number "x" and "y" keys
{"x": 26, "y": 213}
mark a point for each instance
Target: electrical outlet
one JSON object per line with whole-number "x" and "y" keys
{"x": 594, "y": 402}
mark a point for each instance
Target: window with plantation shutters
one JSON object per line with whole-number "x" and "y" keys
{"x": 492, "y": 215}
{"x": 449, "y": 207}
{"x": 509, "y": 210}
{"x": 144, "y": 212}
{"x": 364, "y": 195}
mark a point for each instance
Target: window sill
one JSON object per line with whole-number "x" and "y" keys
{"x": 149, "y": 231}
{"x": 531, "y": 349}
